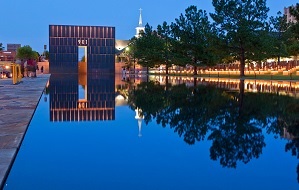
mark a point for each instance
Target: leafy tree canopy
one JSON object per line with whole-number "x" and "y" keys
{"x": 194, "y": 33}
{"x": 1, "y": 47}
{"x": 149, "y": 47}
{"x": 26, "y": 52}
{"x": 294, "y": 42}
{"x": 240, "y": 25}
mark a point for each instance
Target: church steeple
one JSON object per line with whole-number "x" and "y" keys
{"x": 139, "y": 28}
{"x": 139, "y": 116}
{"x": 140, "y": 18}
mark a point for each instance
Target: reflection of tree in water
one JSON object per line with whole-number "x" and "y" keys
{"x": 290, "y": 120}
{"x": 233, "y": 120}
{"x": 233, "y": 143}
{"x": 149, "y": 97}
{"x": 293, "y": 146}
{"x": 189, "y": 112}
{"x": 237, "y": 131}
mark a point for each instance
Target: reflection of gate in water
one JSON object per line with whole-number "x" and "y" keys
{"x": 97, "y": 102}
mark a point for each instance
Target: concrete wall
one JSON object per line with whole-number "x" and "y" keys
{"x": 45, "y": 64}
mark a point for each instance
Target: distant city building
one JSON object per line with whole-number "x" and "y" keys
{"x": 290, "y": 18}
{"x": 8, "y": 56}
{"x": 13, "y": 47}
{"x": 120, "y": 46}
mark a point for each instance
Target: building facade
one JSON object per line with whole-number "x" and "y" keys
{"x": 13, "y": 47}
{"x": 290, "y": 18}
{"x": 8, "y": 56}
{"x": 66, "y": 43}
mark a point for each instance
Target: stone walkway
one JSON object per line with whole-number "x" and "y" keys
{"x": 17, "y": 106}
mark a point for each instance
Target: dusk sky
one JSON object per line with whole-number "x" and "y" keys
{"x": 27, "y": 22}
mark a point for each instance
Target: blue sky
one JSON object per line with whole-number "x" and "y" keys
{"x": 27, "y": 22}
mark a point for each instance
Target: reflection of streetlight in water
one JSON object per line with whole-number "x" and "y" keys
{"x": 139, "y": 118}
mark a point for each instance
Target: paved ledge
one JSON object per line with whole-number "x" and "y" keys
{"x": 17, "y": 106}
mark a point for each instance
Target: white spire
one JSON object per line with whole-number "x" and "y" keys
{"x": 140, "y": 18}
{"x": 139, "y": 28}
{"x": 139, "y": 116}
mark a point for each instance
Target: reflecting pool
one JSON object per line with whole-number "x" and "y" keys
{"x": 95, "y": 132}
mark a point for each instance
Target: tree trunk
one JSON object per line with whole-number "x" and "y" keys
{"x": 241, "y": 96}
{"x": 242, "y": 63}
{"x": 134, "y": 66}
{"x": 166, "y": 83}
{"x": 278, "y": 60}
{"x": 166, "y": 67}
{"x": 195, "y": 70}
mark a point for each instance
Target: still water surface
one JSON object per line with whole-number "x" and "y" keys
{"x": 163, "y": 137}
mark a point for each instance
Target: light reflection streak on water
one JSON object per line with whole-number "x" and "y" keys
{"x": 290, "y": 88}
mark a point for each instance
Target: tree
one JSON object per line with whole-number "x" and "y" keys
{"x": 26, "y": 52}
{"x": 149, "y": 97}
{"x": 193, "y": 32}
{"x": 148, "y": 48}
{"x": 279, "y": 36}
{"x": 240, "y": 24}
{"x": 130, "y": 53}
{"x": 1, "y": 47}
{"x": 294, "y": 29}
{"x": 165, "y": 35}
{"x": 46, "y": 54}
{"x": 35, "y": 55}
{"x": 294, "y": 11}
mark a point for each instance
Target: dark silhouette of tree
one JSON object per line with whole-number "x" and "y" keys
{"x": 149, "y": 48}
{"x": 236, "y": 136}
{"x": 279, "y": 36}
{"x": 187, "y": 110}
{"x": 1, "y": 47}
{"x": 194, "y": 33}
{"x": 233, "y": 120}
{"x": 191, "y": 111}
{"x": 149, "y": 97}
{"x": 130, "y": 53}
{"x": 293, "y": 44}
{"x": 240, "y": 25}
{"x": 168, "y": 55}
{"x": 293, "y": 147}
{"x": 290, "y": 121}
{"x": 233, "y": 143}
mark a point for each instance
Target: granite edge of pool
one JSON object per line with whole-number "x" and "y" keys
{"x": 17, "y": 106}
